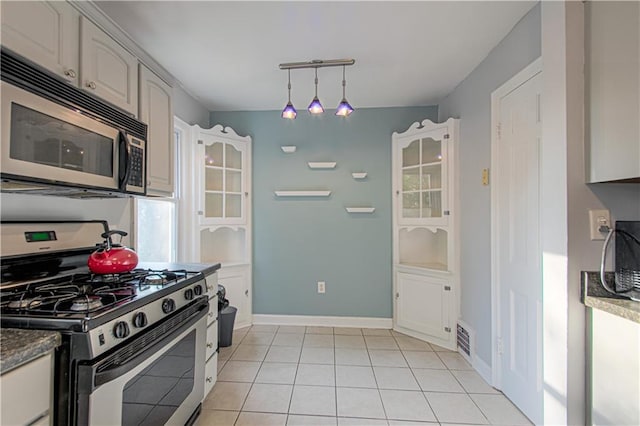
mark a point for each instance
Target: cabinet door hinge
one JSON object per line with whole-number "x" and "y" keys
{"x": 447, "y": 136}
{"x": 447, "y": 329}
{"x": 499, "y": 130}
{"x": 200, "y": 142}
{"x": 447, "y": 288}
{"x": 446, "y": 213}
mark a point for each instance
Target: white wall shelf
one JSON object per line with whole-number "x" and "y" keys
{"x": 303, "y": 193}
{"x": 288, "y": 149}
{"x": 359, "y": 175}
{"x": 360, "y": 209}
{"x": 322, "y": 165}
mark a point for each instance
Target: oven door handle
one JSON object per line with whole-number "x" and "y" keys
{"x": 107, "y": 375}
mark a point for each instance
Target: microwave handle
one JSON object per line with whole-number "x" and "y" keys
{"x": 124, "y": 161}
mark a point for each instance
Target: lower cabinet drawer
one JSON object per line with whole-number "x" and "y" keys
{"x": 26, "y": 395}
{"x": 210, "y": 374}
{"x": 212, "y": 339}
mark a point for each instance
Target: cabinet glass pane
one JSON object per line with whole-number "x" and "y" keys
{"x": 234, "y": 181}
{"x": 213, "y": 154}
{"x": 213, "y": 179}
{"x": 411, "y": 179}
{"x": 432, "y": 177}
{"x": 411, "y": 205}
{"x": 431, "y": 151}
{"x": 213, "y": 205}
{"x": 233, "y": 206}
{"x": 234, "y": 157}
{"x": 411, "y": 154}
{"x": 431, "y": 204}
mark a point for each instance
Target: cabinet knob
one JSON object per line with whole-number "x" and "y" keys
{"x": 91, "y": 85}
{"x": 210, "y": 314}
{"x": 209, "y": 379}
{"x": 246, "y": 292}
{"x": 397, "y": 295}
{"x": 210, "y": 345}
{"x": 70, "y": 73}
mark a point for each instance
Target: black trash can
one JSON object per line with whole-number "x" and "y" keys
{"x": 226, "y": 318}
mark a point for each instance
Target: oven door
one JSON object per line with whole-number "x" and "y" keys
{"x": 160, "y": 384}
{"x": 44, "y": 141}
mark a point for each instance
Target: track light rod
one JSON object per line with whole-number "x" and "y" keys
{"x": 317, "y": 63}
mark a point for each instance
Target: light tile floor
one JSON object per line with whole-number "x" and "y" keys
{"x": 290, "y": 375}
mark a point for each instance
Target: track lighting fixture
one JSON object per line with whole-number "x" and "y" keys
{"x": 315, "y": 107}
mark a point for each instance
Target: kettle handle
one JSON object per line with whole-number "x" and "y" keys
{"x": 107, "y": 236}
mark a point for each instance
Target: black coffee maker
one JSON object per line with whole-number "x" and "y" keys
{"x": 627, "y": 259}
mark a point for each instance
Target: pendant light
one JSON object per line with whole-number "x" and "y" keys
{"x": 344, "y": 109}
{"x": 289, "y": 111}
{"x": 315, "y": 107}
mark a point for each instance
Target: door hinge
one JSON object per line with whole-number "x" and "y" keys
{"x": 447, "y": 288}
{"x": 500, "y": 346}
{"x": 499, "y": 130}
{"x": 200, "y": 142}
{"x": 447, "y": 329}
{"x": 446, "y": 213}
{"x": 446, "y": 136}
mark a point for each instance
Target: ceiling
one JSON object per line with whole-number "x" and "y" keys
{"x": 226, "y": 54}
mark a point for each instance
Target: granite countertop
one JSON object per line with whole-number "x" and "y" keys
{"x": 595, "y": 296}
{"x": 21, "y": 346}
{"x": 205, "y": 268}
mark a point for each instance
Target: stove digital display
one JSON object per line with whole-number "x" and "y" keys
{"x": 40, "y": 236}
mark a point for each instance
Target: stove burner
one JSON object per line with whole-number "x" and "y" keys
{"x": 24, "y": 303}
{"x": 86, "y": 303}
{"x": 154, "y": 279}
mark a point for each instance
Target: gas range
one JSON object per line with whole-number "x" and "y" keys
{"x": 117, "y": 330}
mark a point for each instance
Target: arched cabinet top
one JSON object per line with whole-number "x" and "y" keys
{"x": 222, "y": 134}
{"x": 420, "y": 128}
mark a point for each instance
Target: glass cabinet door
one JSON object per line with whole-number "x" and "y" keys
{"x": 422, "y": 181}
{"x": 223, "y": 182}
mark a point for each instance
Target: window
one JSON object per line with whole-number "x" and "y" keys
{"x": 156, "y": 230}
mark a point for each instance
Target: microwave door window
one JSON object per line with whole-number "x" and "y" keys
{"x": 41, "y": 139}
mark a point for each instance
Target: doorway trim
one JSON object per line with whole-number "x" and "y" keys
{"x": 514, "y": 82}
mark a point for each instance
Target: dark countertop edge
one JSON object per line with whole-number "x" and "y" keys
{"x": 20, "y": 346}
{"x": 205, "y": 268}
{"x": 596, "y": 297}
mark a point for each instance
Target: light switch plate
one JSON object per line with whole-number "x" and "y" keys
{"x": 597, "y": 219}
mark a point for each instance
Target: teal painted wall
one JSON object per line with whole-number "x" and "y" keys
{"x": 298, "y": 242}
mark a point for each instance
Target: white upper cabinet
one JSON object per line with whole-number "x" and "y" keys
{"x": 421, "y": 173}
{"x": 156, "y": 110}
{"x": 107, "y": 69}
{"x": 223, "y": 159}
{"x": 46, "y": 33}
{"x": 612, "y": 50}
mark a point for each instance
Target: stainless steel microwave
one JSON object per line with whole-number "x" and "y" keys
{"x": 59, "y": 137}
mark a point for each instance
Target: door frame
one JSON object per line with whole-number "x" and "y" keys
{"x": 513, "y": 83}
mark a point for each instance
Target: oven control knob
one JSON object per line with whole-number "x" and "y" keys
{"x": 188, "y": 294}
{"x": 168, "y": 305}
{"x": 140, "y": 320}
{"x": 197, "y": 289}
{"x": 121, "y": 330}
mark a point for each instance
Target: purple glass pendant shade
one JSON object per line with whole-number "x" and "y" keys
{"x": 289, "y": 111}
{"x": 315, "y": 107}
{"x": 344, "y": 108}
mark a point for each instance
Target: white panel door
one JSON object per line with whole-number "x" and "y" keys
{"x": 46, "y": 32}
{"x": 107, "y": 69}
{"x": 422, "y": 304}
{"x": 517, "y": 245}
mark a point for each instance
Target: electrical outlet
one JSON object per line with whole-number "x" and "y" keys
{"x": 321, "y": 286}
{"x": 597, "y": 220}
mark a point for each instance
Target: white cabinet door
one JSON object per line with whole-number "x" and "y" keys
{"x": 156, "y": 110}
{"x": 46, "y": 32}
{"x": 612, "y": 38}
{"x": 236, "y": 282}
{"x": 27, "y": 392}
{"x": 107, "y": 69}
{"x": 422, "y": 305}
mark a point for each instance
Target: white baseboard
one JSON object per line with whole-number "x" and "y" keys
{"x": 483, "y": 369}
{"x": 310, "y": 320}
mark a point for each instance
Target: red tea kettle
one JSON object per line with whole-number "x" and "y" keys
{"x": 112, "y": 258}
